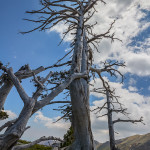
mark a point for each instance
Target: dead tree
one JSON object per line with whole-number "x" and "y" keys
{"x": 76, "y": 14}
{"x": 6, "y": 84}
{"x": 15, "y": 128}
{"x": 111, "y": 100}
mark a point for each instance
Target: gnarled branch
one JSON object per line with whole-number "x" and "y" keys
{"x": 24, "y": 146}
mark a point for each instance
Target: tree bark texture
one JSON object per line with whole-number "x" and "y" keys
{"x": 110, "y": 124}
{"x": 15, "y": 131}
{"x": 4, "y": 91}
{"x": 79, "y": 91}
{"x": 81, "y": 118}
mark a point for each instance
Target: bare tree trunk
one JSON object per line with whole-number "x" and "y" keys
{"x": 110, "y": 124}
{"x": 79, "y": 91}
{"x": 4, "y": 91}
{"x": 81, "y": 119}
{"x": 15, "y": 131}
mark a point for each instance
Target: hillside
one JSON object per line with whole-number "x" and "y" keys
{"x": 136, "y": 142}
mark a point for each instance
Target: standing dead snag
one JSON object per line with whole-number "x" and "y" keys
{"x": 111, "y": 100}
{"x": 110, "y": 124}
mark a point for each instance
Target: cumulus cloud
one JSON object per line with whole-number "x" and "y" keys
{"x": 42, "y": 125}
{"x": 127, "y": 26}
{"x": 61, "y": 28}
{"x": 132, "y": 89}
{"x": 49, "y": 122}
{"x": 129, "y": 16}
{"x": 132, "y": 81}
{"x": 11, "y": 114}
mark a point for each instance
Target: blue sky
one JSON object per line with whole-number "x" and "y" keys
{"x": 29, "y": 48}
{"x": 36, "y": 49}
{"x": 41, "y": 48}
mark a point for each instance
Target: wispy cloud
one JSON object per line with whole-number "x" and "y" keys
{"x": 132, "y": 89}
{"x": 132, "y": 81}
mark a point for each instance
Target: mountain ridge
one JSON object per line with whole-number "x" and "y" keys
{"x": 135, "y": 142}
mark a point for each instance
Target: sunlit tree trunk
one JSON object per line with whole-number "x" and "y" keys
{"x": 4, "y": 91}
{"x": 15, "y": 131}
{"x": 79, "y": 91}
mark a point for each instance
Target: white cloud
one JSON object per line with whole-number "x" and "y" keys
{"x": 128, "y": 25}
{"x": 132, "y": 89}
{"x": 49, "y": 122}
{"x": 45, "y": 126}
{"x": 61, "y": 28}
{"x": 11, "y": 114}
{"x": 132, "y": 81}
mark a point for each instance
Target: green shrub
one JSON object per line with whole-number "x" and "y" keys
{"x": 3, "y": 115}
{"x": 68, "y": 138}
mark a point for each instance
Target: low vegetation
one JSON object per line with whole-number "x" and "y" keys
{"x": 36, "y": 146}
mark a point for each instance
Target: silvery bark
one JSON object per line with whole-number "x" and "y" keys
{"x": 7, "y": 86}
{"x": 15, "y": 131}
{"x": 79, "y": 91}
{"x": 25, "y": 146}
{"x": 4, "y": 91}
{"x": 110, "y": 124}
{"x": 16, "y": 128}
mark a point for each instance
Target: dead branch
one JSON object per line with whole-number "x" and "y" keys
{"x": 128, "y": 120}
{"x": 7, "y": 124}
{"x": 24, "y": 146}
{"x": 60, "y": 88}
{"x": 17, "y": 84}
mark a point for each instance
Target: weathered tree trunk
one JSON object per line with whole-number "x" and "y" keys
{"x": 16, "y": 128}
{"x": 110, "y": 124}
{"x": 79, "y": 91}
{"x": 15, "y": 131}
{"x": 4, "y": 91}
{"x": 81, "y": 119}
